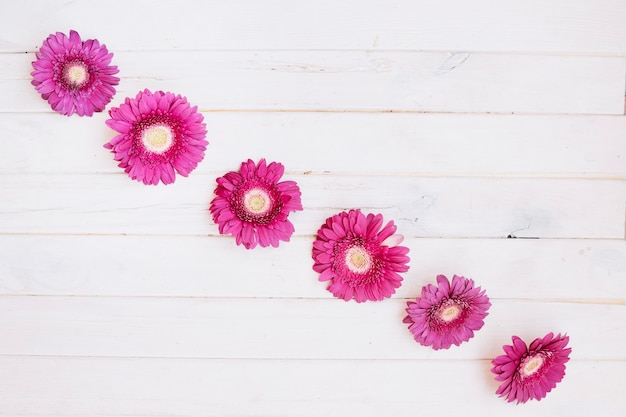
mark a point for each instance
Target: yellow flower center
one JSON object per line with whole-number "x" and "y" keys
{"x": 358, "y": 260}
{"x": 257, "y": 201}
{"x": 76, "y": 74}
{"x": 532, "y": 365}
{"x": 449, "y": 313}
{"x": 157, "y": 139}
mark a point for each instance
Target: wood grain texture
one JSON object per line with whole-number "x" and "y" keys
{"x": 565, "y": 26}
{"x": 421, "y": 206}
{"x": 346, "y": 143}
{"x": 191, "y": 387}
{"x": 358, "y": 80}
{"x": 282, "y": 328}
{"x": 192, "y": 266}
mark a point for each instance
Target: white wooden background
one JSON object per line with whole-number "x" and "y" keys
{"x": 466, "y": 122}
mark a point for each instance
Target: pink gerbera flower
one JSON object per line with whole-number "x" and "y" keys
{"x": 159, "y": 133}
{"x": 359, "y": 257}
{"x": 74, "y": 76}
{"x": 531, "y": 372}
{"x": 448, "y": 313}
{"x": 253, "y": 206}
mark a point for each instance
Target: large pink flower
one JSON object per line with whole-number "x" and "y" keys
{"x": 448, "y": 313}
{"x": 253, "y": 206}
{"x": 74, "y": 76}
{"x": 531, "y": 372}
{"x": 159, "y": 133}
{"x": 360, "y": 259}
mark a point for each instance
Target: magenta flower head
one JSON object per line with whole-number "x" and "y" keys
{"x": 531, "y": 372}
{"x": 160, "y": 134}
{"x": 74, "y": 76}
{"x": 447, "y": 314}
{"x": 253, "y": 205}
{"x": 359, "y": 256}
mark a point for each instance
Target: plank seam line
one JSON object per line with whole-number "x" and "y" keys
{"x": 301, "y": 236}
{"x": 582, "y": 53}
{"x": 309, "y": 173}
{"x": 368, "y": 111}
{"x": 275, "y": 359}
{"x": 401, "y": 300}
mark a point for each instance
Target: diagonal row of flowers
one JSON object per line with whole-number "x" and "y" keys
{"x": 160, "y": 135}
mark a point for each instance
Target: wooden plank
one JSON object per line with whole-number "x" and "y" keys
{"x": 421, "y": 206}
{"x": 351, "y": 143}
{"x": 539, "y": 269}
{"x": 335, "y": 80}
{"x": 282, "y": 328}
{"x": 572, "y": 26}
{"x": 97, "y": 387}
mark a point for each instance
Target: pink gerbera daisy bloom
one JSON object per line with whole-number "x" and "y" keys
{"x": 159, "y": 133}
{"x": 531, "y": 372}
{"x": 74, "y": 76}
{"x": 253, "y": 206}
{"x": 448, "y": 313}
{"x": 359, "y": 256}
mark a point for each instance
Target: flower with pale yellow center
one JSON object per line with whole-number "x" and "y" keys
{"x": 157, "y": 138}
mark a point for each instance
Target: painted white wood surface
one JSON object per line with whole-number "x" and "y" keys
{"x": 363, "y": 80}
{"x": 421, "y": 206}
{"x": 464, "y": 122}
{"x": 200, "y": 387}
{"x": 517, "y": 268}
{"x": 563, "y": 26}
{"x": 317, "y": 142}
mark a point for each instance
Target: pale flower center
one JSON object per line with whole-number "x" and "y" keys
{"x": 532, "y": 365}
{"x": 76, "y": 74}
{"x": 257, "y": 201}
{"x": 157, "y": 138}
{"x": 449, "y": 313}
{"x": 358, "y": 260}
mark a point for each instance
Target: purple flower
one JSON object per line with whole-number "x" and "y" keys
{"x": 447, "y": 314}
{"x": 74, "y": 76}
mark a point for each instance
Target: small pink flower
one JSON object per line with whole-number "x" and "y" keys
{"x": 360, "y": 259}
{"x": 159, "y": 134}
{"x": 253, "y": 206}
{"x": 531, "y": 372}
{"x": 74, "y": 76}
{"x": 448, "y": 313}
